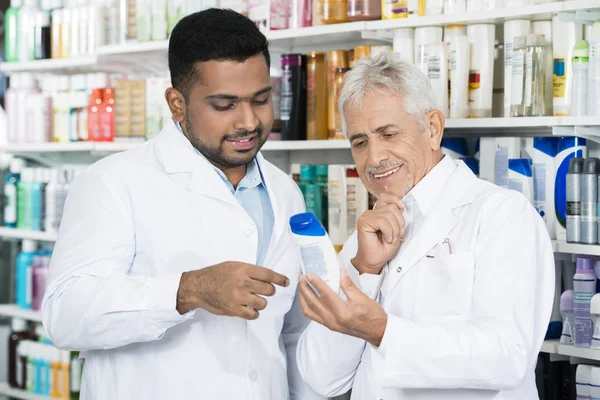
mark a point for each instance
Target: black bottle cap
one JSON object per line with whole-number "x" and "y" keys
{"x": 576, "y": 165}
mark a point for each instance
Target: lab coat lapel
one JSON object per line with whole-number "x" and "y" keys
{"x": 277, "y": 199}
{"x": 188, "y": 168}
{"x": 437, "y": 225}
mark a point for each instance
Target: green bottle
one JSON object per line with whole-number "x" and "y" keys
{"x": 11, "y": 31}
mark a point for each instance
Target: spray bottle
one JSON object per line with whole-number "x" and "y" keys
{"x": 589, "y": 201}
{"x": 573, "y": 194}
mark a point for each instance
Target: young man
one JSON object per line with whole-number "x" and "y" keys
{"x": 175, "y": 272}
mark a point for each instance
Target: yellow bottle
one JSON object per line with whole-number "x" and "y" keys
{"x": 65, "y": 366}
{"x": 394, "y": 9}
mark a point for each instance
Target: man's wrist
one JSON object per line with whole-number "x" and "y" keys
{"x": 187, "y": 298}
{"x": 378, "y": 330}
{"x": 363, "y": 268}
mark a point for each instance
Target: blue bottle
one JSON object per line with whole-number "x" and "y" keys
{"x": 10, "y": 192}
{"x": 37, "y": 200}
{"x": 25, "y": 274}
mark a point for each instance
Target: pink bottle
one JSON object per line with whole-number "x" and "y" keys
{"x": 280, "y": 14}
{"x": 301, "y": 12}
{"x": 40, "y": 273}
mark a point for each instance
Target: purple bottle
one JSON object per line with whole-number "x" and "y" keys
{"x": 566, "y": 311}
{"x": 40, "y": 273}
{"x": 584, "y": 283}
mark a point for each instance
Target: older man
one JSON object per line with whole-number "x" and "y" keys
{"x": 448, "y": 283}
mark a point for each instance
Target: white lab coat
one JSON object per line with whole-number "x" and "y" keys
{"x": 133, "y": 223}
{"x": 461, "y": 326}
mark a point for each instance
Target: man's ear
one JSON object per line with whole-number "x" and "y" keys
{"x": 434, "y": 127}
{"x": 176, "y": 103}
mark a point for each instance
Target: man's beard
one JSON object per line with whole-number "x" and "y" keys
{"x": 217, "y": 154}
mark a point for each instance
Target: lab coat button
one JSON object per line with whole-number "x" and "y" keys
{"x": 399, "y": 269}
{"x": 249, "y": 233}
{"x": 253, "y": 376}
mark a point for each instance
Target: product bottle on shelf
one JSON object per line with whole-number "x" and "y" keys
{"x": 10, "y": 192}
{"x": 11, "y": 31}
{"x": 56, "y": 33}
{"x": 94, "y": 124}
{"x": 76, "y": 367}
{"x": 18, "y": 334}
{"x": 579, "y": 96}
{"x": 11, "y": 102}
{"x": 107, "y": 115}
{"x": 40, "y": 274}
{"x": 36, "y": 199}
{"x": 24, "y": 274}
{"x": 159, "y": 19}
{"x": 42, "y": 40}
{"x": 39, "y": 113}
{"x": 26, "y": 89}
{"x": 26, "y": 24}
{"x": 24, "y": 199}
{"x": 66, "y": 32}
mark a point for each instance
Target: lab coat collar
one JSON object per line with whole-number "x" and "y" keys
{"x": 441, "y": 218}
{"x": 427, "y": 190}
{"x": 194, "y": 172}
{"x": 191, "y": 169}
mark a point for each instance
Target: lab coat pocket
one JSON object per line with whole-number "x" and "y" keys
{"x": 445, "y": 287}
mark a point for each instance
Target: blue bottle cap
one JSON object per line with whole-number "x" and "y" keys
{"x": 307, "y": 224}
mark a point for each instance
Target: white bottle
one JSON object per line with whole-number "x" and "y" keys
{"x": 317, "y": 253}
{"x": 512, "y": 30}
{"x": 83, "y": 30}
{"x": 404, "y": 44}
{"x": 595, "y": 383}
{"x": 338, "y": 205}
{"x": 460, "y": 59}
{"x": 28, "y": 87}
{"x": 12, "y": 107}
{"x": 481, "y": 77}
{"x": 595, "y": 314}
{"x": 520, "y": 177}
{"x": 582, "y": 379}
{"x": 74, "y": 43}
{"x": 39, "y": 110}
{"x": 159, "y": 20}
{"x": 580, "y": 79}
{"x": 112, "y": 22}
{"x": 357, "y": 198}
{"x": 51, "y": 220}
{"x": 26, "y": 27}
{"x": 437, "y": 72}
{"x": 96, "y": 28}
{"x": 565, "y": 34}
{"x": 594, "y": 71}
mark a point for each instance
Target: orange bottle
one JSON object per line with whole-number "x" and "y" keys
{"x": 107, "y": 115}
{"x": 94, "y": 125}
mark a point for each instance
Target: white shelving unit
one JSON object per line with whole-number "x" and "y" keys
{"x": 574, "y": 248}
{"x": 19, "y": 394}
{"x": 21, "y": 234}
{"x": 14, "y": 311}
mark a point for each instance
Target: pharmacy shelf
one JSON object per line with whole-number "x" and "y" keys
{"x": 47, "y": 147}
{"x": 19, "y": 394}
{"x": 51, "y": 65}
{"x": 12, "y": 233}
{"x": 297, "y": 145}
{"x": 134, "y": 47}
{"x": 14, "y": 311}
{"x": 580, "y": 352}
{"x": 550, "y": 347}
{"x": 574, "y": 248}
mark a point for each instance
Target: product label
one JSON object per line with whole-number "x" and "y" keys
{"x": 508, "y": 55}
{"x": 313, "y": 259}
{"x": 516, "y": 90}
{"x": 474, "y": 80}
{"x": 392, "y": 9}
{"x": 29, "y": 284}
{"x": 589, "y": 211}
{"x": 335, "y": 204}
{"x": 352, "y": 207}
{"x": 566, "y": 336}
{"x": 311, "y": 95}
{"x": 515, "y": 184}
{"x": 573, "y": 208}
{"x": 422, "y": 55}
{"x": 10, "y": 203}
{"x": 287, "y": 94}
{"x": 585, "y": 289}
{"x": 453, "y": 63}
{"x": 539, "y": 182}
{"x": 501, "y": 167}
{"x": 434, "y": 65}
{"x": 528, "y": 78}
{"x": 559, "y": 78}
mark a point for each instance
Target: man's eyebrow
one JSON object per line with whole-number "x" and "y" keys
{"x": 357, "y": 136}
{"x": 384, "y": 128}
{"x": 225, "y": 96}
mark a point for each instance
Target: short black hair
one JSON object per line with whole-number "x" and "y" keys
{"x": 212, "y": 34}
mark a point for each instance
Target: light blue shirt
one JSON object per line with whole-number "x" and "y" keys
{"x": 252, "y": 195}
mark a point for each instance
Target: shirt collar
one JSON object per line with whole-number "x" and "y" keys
{"x": 253, "y": 177}
{"x": 427, "y": 190}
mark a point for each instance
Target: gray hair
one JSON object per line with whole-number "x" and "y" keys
{"x": 386, "y": 72}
